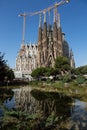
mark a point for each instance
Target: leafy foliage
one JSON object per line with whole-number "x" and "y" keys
{"x": 66, "y": 78}
{"x": 3, "y": 68}
{"x": 80, "y": 79}
{"x": 62, "y": 63}
{"x": 81, "y": 70}
{"x": 44, "y": 72}
{"x": 37, "y": 73}
{"x": 5, "y": 72}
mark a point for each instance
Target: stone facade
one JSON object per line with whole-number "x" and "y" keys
{"x": 26, "y": 60}
{"x": 51, "y": 44}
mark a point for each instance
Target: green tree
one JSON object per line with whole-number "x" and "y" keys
{"x": 62, "y": 64}
{"x": 50, "y": 71}
{"x": 81, "y": 70}
{"x": 66, "y": 78}
{"x": 5, "y": 72}
{"x": 44, "y": 72}
{"x": 39, "y": 72}
{"x": 10, "y": 74}
{"x": 80, "y": 79}
{"x": 3, "y": 69}
{"x": 78, "y": 71}
{"x": 84, "y": 69}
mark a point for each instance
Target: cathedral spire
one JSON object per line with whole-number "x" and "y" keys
{"x": 55, "y": 25}
{"x": 49, "y": 17}
{"x": 55, "y": 34}
{"x": 44, "y": 16}
{"x": 44, "y": 42}
{"x": 63, "y": 37}
{"x": 40, "y": 20}
{"x": 45, "y": 27}
{"x": 60, "y": 41}
{"x": 39, "y": 40}
{"x": 55, "y": 15}
{"x": 72, "y": 62}
{"x": 58, "y": 24}
{"x": 40, "y": 29}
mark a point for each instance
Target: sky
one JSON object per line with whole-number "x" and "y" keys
{"x": 73, "y": 22}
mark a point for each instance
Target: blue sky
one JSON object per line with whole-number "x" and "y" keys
{"x": 73, "y": 23}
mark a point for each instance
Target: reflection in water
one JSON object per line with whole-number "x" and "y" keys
{"x": 10, "y": 103}
{"x": 49, "y": 104}
{"x": 5, "y": 95}
{"x": 79, "y": 115}
{"x": 1, "y": 111}
{"x": 33, "y": 101}
{"x": 24, "y": 101}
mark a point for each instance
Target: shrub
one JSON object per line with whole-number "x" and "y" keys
{"x": 80, "y": 79}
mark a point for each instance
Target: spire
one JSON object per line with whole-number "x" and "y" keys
{"x": 40, "y": 20}
{"x": 63, "y": 37}
{"x": 45, "y": 27}
{"x": 71, "y": 53}
{"x": 55, "y": 24}
{"x": 72, "y": 62}
{"x": 44, "y": 42}
{"x": 55, "y": 31}
{"x": 44, "y": 16}
{"x": 58, "y": 24}
{"x": 40, "y": 29}
{"x": 60, "y": 41}
{"x": 39, "y": 41}
{"x": 55, "y": 40}
{"x": 49, "y": 17}
{"x": 55, "y": 12}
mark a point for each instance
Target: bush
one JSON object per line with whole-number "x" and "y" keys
{"x": 80, "y": 79}
{"x": 66, "y": 78}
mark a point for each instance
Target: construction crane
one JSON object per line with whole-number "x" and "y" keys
{"x": 44, "y": 11}
{"x": 50, "y": 8}
{"x": 24, "y": 25}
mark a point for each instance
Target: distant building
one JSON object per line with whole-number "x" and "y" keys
{"x": 51, "y": 44}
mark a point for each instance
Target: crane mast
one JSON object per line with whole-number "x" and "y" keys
{"x": 24, "y": 26}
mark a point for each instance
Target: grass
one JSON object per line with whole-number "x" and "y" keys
{"x": 69, "y": 89}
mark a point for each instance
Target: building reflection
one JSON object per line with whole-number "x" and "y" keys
{"x": 35, "y": 101}
{"x": 71, "y": 113}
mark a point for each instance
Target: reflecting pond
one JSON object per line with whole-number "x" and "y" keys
{"x": 45, "y": 110}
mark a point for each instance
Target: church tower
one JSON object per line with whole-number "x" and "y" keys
{"x": 72, "y": 62}
{"x": 44, "y": 42}
{"x": 55, "y": 36}
{"x": 39, "y": 42}
{"x": 60, "y": 42}
{"x": 52, "y": 43}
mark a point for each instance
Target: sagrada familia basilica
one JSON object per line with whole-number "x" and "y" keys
{"x": 51, "y": 44}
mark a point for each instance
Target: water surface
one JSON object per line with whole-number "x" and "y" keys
{"x": 55, "y": 108}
